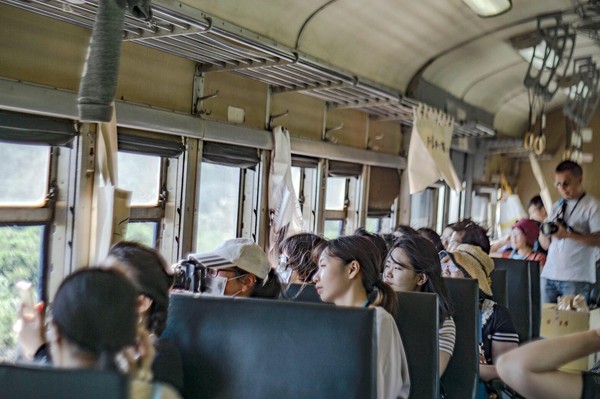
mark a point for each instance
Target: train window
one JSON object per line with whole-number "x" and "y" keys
{"x": 20, "y": 256}
{"x": 25, "y": 174}
{"x": 218, "y": 205}
{"x": 140, "y": 174}
{"x": 296, "y": 179}
{"x": 384, "y": 187}
{"x": 142, "y": 232}
{"x": 336, "y": 193}
{"x": 422, "y": 208}
{"x": 455, "y": 206}
{"x": 304, "y": 179}
{"x": 333, "y": 228}
{"x": 481, "y": 209}
{"x": 441, "y": 209}
{"x": 373, "y": 225}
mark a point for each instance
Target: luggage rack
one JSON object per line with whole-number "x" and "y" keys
{"x": 217, "y": 45}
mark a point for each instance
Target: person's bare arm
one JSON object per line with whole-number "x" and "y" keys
{"x": 488, "y": 371}
{"x": 444, "y": 360}
{"x": 544, "y": 241}
{"x": 532, "y": 369}
{"x": 592, "y": 240}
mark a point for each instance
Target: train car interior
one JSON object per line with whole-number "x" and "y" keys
{"x": 165, "y": 122}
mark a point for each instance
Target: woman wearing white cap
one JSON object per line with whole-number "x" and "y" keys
{"x": 238, "y": 267}
{"x": 348, "y": 275}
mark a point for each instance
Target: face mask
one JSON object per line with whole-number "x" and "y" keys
{"x": 283, "y": 270}
{"x": 215, "y": 285}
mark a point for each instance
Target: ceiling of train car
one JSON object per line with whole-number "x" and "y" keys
{"x": 369, "y": 55}
{"x": 395, "y": 42}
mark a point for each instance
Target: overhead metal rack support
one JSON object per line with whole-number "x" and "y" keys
{"x": 362, "y": 104}
{"x": 217, "y": 45}
{"x": 171, "y": 31}
{"x": 250, "y": 65}
{"x": 307, "y": 88}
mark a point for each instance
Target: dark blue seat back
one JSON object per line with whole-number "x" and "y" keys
{"x": 250, "y": 348}
{"x": 524, "y": 301}
{"x": 462, "y": 374}
{"x": 35, "y": 382}
{"x": 417, "y": 320}
{"x": 302, "y": 293}
{"x": 500, "y": 286}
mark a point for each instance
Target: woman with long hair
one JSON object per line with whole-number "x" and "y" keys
{"x": 413, "y": 265}
{"x": 348, "y": 276}
{"x": 148, "y": 271}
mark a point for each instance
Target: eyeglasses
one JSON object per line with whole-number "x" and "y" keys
{"x": 449, "y": 267}
{"x": 212, "y": 272}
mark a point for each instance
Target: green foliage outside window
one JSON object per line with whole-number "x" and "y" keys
{"x": 20, "y": 248}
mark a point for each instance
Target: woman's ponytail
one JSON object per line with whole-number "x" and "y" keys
{"x": 384, "y": 296}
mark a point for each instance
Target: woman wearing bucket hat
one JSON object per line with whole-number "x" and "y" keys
{"x": 523, "y": 236}
{"x": 498, "y": 332}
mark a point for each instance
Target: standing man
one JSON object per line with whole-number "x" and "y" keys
{"x": 572, "y": 240}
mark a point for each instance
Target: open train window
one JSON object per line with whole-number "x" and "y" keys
{"x": 29, "y": 149}
{"x": 143, "y": 163}
{"x": 218, "y": 205}
{"x": 340, "y": 198}
{"x": 304, "y": 179}
{"x": 25, "y": 174}
{"x": 228, "y": 194}
{"x": 384, "y": 188}
{"x": 422, "y": 208}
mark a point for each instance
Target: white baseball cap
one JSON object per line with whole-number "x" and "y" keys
{"x": 237, "y": 252}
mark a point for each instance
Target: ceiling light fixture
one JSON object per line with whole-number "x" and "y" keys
{"x": 489, "y": 8}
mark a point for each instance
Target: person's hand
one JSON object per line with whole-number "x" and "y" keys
{"x": 30, "y": 329}
{"x": 139, "y": 358}
{"x": 138, "y": 361}
{"x": 562, "y": 232}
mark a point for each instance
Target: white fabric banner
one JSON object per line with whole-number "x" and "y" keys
{"x": 110, "y": 213}
{"x": 429, "y": 151}
{"x": 284, "y": 209}
{"x": 539, "y": 176}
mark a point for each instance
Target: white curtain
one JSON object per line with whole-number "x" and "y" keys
{"x": 284, "y": 209}
{"x": 110, "y": 213}
{"x": 539, "y": 176}
{"x": 429, "y": 150}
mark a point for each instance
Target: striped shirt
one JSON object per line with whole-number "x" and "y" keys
{"x": 447, "y": 334}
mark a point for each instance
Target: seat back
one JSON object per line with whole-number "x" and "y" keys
{"x": 252, "y": 348}
{"x": 462, "y": 374}
{"x": 524, "y": 302}
{"x": 417, "y": 321}
{"x": 35, "y": 382}
{"x": 499, "y": 286}
{"x": 302, "y": 293}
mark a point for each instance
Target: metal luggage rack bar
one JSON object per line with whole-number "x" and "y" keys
{"x": 217, "y": 45}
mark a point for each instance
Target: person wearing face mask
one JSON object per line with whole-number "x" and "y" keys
{"x": 238, "y": 267}
{"x": 297, "y": 264}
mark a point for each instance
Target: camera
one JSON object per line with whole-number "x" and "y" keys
{"x": 549, "y": 228}
{"x": 188, "y": 275}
